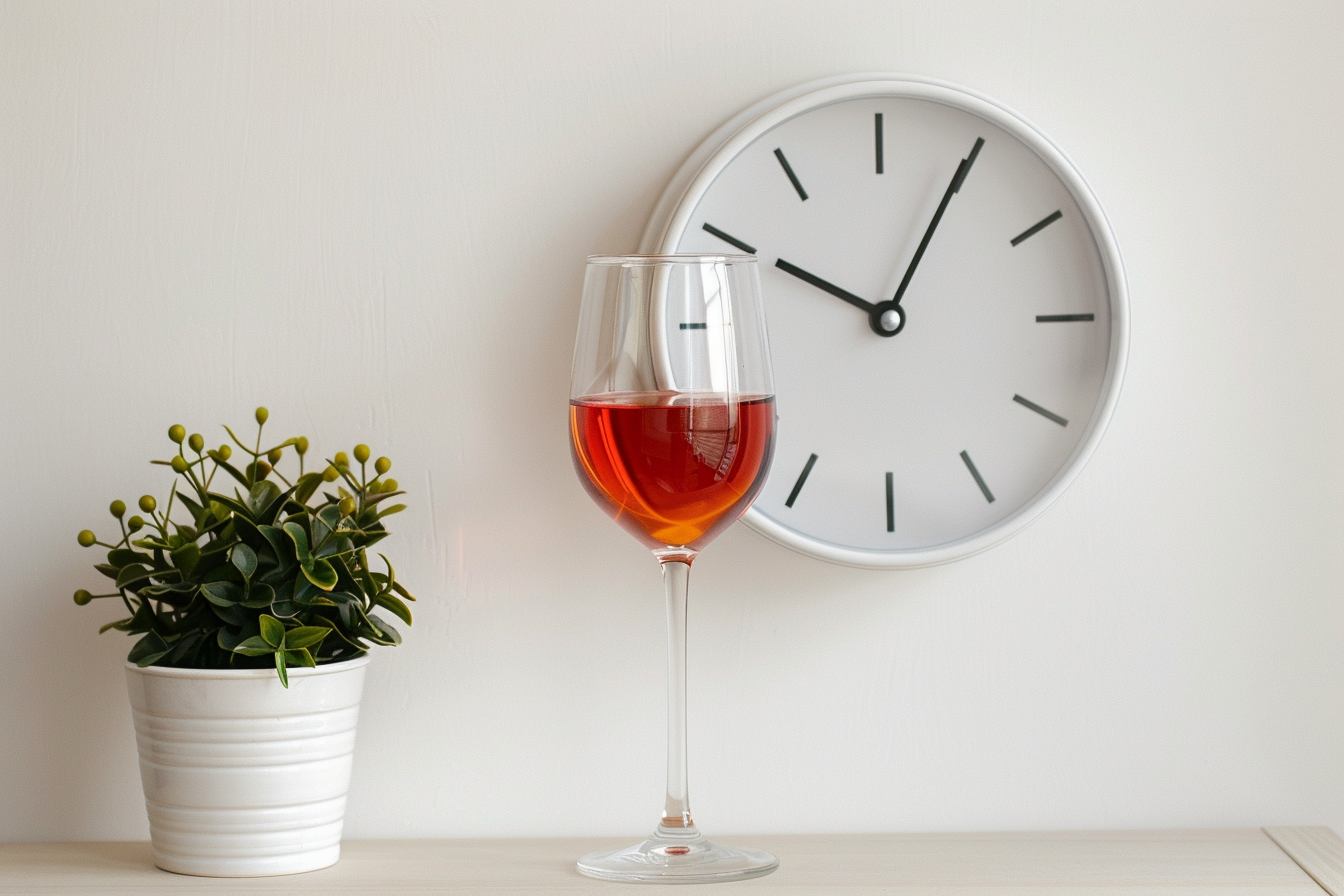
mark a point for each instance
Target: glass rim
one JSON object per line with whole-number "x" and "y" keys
{"x": 676, "y": 258}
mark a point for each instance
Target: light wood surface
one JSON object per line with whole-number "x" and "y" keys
{"x": 1248, "y": 862}
{"x": 1318, "y": 851}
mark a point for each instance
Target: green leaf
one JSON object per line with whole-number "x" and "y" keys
{"x": 304, "y": 591}
{"x": 370, "y": 500}
{"x": 143, "y": 618}
{"x": 253, "y": 646}
{"x": 330, "y": 517}
{"x": 391, "y": 573}
{"x": 300, "y": 657}
{"x": 231, "y": 504}
{"x": 232, "y": 470}
{"x": 260, "y": 497}
{"x": 133, "y": 573}
{"x": 244, "y": 559}
{"x": 393, "y": 603}
{"x": 186, "y": 557}
{"x": 379, "y": 631}
{"x": 120, "y": 625}
{"x": 351, "y": 616}
{"x": 396, "y": 586}
{"x": 182, "y": 648}
{"x": 197, "y": 511}
{"x": 395, "y": 508}
{"x": 248, "y": 531}
{"x": 125, "y": 557}
{"x": 286, "y": 608}
{"x": 148, "y": 649}
{"x": 232, "y": 614}
{"x": 272, "y": 630}
{"x": 217, "y": 548}
{"x": 297, "y": 534}
{"x": 308, "y": 484}
{"x": 344, "y": 597}
{"x": 107, "y": 569}
{"x": 276, "y": 539}
{"x": 305, "y": 636}
{"x": 280, "y": 667}
{"x": 259, "y": 596}
{"x": 228, "y": 639}
{"x": 370, "y": 537}
{"x": 178, "y": 595}
{"x": 320, "y": 573}
{"x": 223, "y": 594}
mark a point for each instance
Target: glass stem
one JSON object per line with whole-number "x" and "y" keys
{"x": 676, "y": 821}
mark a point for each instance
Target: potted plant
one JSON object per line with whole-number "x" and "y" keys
{"x": 255, "y": 608}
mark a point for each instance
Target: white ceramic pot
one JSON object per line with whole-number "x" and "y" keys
{"x": 243, "y": 777}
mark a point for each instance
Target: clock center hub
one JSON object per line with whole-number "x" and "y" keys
{"x": 887, "y": 319}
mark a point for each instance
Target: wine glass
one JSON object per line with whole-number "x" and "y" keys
{"x": 672, "y": 422}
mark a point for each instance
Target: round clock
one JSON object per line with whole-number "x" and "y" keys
{"x": 946, "y": 305}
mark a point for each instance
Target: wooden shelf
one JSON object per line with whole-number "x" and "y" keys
{"x": 1249, "y": 862}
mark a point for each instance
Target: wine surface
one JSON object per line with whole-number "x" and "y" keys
{"x": 674, "y": 469}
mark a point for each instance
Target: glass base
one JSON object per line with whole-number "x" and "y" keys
{"x": 678, "y": 858}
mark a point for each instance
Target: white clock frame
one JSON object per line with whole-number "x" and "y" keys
{"x": 675, "y": 208}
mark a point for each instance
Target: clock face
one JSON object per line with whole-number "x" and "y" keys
{"x": 944, "y": 305}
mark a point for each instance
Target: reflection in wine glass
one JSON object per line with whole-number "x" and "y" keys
{"x": 672, "y": 423}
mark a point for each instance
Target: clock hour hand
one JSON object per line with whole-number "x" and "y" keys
{"x": 962, "y": 170}
{"x": 885, "y": 318}
{"x": 824, "y": 285}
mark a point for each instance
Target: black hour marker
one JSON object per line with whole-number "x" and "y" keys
{"x": 877, "y": 139}
{"x": 891, "y": 506}
{"x": 730, "y": 240}
{"x": 1063, "y": 318}
{"x": 966, "y": 459}
{"x": 793, "y": 178}
{"x": 694, "y": 326}
{"x": 802, "y": 477}
{"x": 1037, "y": 227}
{"x": 1049, "y": 415}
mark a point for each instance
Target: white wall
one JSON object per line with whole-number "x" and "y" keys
{"x": 372, "y": 218}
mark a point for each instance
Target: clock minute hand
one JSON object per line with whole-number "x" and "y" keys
{"x": 962, "y": 170}
{"x": 821, "y": 284}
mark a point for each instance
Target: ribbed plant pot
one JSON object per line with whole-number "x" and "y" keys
{"x": 243, "y": 777}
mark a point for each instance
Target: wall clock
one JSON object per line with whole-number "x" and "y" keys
{"x": 946, "y": 303}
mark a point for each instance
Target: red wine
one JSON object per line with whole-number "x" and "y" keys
{"x": 674, "y": 469}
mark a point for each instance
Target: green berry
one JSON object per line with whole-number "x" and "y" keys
{"x": 261, "y": 415}
{"x": 342, "y": 459}
{"x": 347, "y": 506}
{"x": 147, "y": 503}
{"x": 177, "y": 433}
{"x": 382, "y": 465}
{"x": 118, "y": 508}
{"x": 135, "y": 524}
{"x": 389, "y": 485}
{"x": 362, "y": 454}
{"x": 274, "y": 456}
{"x": 179, "y": 464}
{"x": 87, "y": 539}
{"x": 301, "y": 445}
{"x": 225, "y": 452}
{"x": 263, "y": 470}
{"x": 196, "y": 442}
{"x": 330, "y": 474}
{"x": 82, "y": 597}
